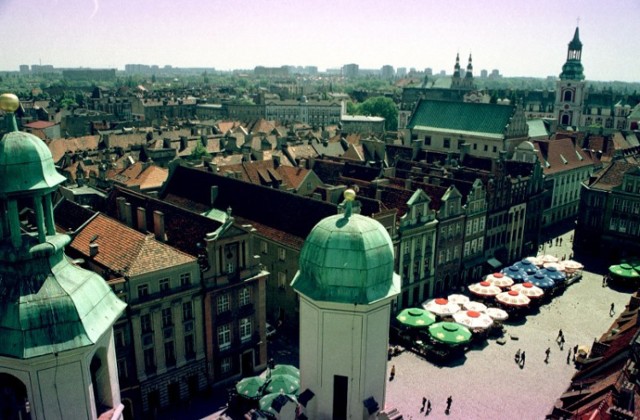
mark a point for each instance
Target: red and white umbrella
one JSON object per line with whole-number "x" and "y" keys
{"x": 513, "y": 298}
{"x": 571, "y": 266}
{"x": 458, "y": 299}
{"x": 441, "y": 307}
{"x": 473, "y": 319}
{"x": 497, "y": 314}
{"x": 484, "y": 288}
{"x": 535, "y": 261}
{"x": 528, "y": 289}
{"x": 475, "y": 306}
{"x": 499, "y": 279}
{"x": 557, "y": 265}
{"x": 547, "y": 258}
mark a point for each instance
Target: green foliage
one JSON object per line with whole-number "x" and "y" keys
{"x": 199, "y": 151}
{"x": 381, "y": 106}
{"x": 352, "y": 108}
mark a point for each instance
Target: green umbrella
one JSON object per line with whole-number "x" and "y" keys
{"x": 283, "y": 383}
{"x": 624, "y": 270}
{"x": 450, "y": 333}
{"x": 416, "y": 317}
{"x": 271, "y": 404}
{"x": 250, "y": 387}
{"x": 286, "y": 370}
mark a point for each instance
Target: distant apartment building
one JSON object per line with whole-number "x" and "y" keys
{"x": 387, "y": 72}
{"x": 313, "y": 112}
{"x": 350, "y": 70}
{"x": 161, "y": 110}
{"x": 261, "y": 71}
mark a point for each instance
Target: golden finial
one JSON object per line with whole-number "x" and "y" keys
{"x": 9, "y": 102}
{"x": 349, "y": 195}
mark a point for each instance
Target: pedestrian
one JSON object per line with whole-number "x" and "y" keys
{"x": 560, "y": 241}
{"x": 547, "y": 352}
{"x": 393, "y": 371}
{"x": 562, "y": 343}
{"x": 569, "y": 356}
{"x": 428, "y": 407}
{"x": 560, "y": 335}
{"x": 571, "y": 256}
{"x": 612, "y": 310}
{"x": 604, "y": 281}
{"x": 517, "y": 356}
{"x": 575, "y": 349}
{"x": 424, "y": 401}
{"x": 449, "y": 401}
{"x": 522, "y": 357}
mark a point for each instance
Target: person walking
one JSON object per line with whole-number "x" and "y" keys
{"x": 393, "y": 372}
{"x": 517, "y": 356}
{"x": 569, "y": 356}
{"x": 562, "y": 343}
{"x": 547, "y": 352}
{"x": 449, "y": 401}
{"x": 424, "y": 402}
{"x": 428, "y": 410}
{"x": 612, "y": 310}
{"x": 560, "y": 335}
{"x": 522, "y": 357}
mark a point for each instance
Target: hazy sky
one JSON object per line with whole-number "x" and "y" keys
{"x": 519, "y": 38}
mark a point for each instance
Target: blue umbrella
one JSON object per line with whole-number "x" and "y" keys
{"x": 542, "y": 281}
{"x": 516, "y": 273}
{"x": 529, "y": 267}
{"x": 554, "y": 274}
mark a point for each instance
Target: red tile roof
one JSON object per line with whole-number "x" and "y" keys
{"x": 39, "y": 124}
{"x": 125, "y": 250}
{"x": 59, "y": 147}
{"x": 561, "y": 155}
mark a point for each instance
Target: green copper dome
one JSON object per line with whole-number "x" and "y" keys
{"x": 347, "y": 260}
{"x": 572, "y": 70}
{"x": 26, "y": 164}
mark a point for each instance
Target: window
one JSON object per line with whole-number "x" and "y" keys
{"x": 223, "y": 303}
{"x": 231, "y": 267}
{"x": 189, "y": 346}
{"x": 224, "y": 337}
{"x": 164, "y": 285}
{"x": 187, "y": 311}
{"x": 167, "y": 317}
{"x": 169, "y": 354}
{"x": 225, "y": 365}
{"x": 495, "y": 149}
{"x": 264, "y": 247}
{"x": 244, "y": 296}
{"x": 567, "y": 97}
{"x": 143, "y": 290}
{"x": 149, "y": 360}
{"x": 446, "y": 143}
{"x": 185, "y": 279}
{"x": 486, "y": 147}
{"x": 145, "y": 323}
{"x": 460, "y": 143}
{"x": 475, "y": 146}
{"x": 427, "y": 140}
{"x": 122, "y": 370}
{"x": 282, "y": 280}
{"x": 119, "y": 338}
{"x": 245, "y": 329}
{"x": 282, "y": 254}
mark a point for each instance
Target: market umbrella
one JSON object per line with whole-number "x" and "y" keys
{"x": 538, "y": 261}
{"x": 286, "y": 370}
{"x": 473, "y": 319}
{"x": 557, "y": 265}
{"x": 484, "y": 288}
{"x": 497, "y": 314}
{"x": 272, "y": 404}
{"x": 624, "y": 270}
{"x": 250, "y": 387}
{"x": 528, "y": 289}
{"x": 527, "y": 266}
{"x": 499, "y": 279}
{"x": 458, "y": 299}
{"x": 515, "y": 272}
{"x": 554, "y": 274}
{"x": 441, "y": 306}
{"x": 416, "y": 317}
{"x": 450, "y": 333}
{"x": 547, "y": 258}
{"x": 475, "y": 306}
{"x": 283, "y": 383}
{"x": 571, "y": 266}
{"x": 542, "y": 281}
{"x": 513, "y": 298}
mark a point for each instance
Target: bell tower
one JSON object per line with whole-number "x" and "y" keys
{"x": 57, "y": 360}
{"x": 570, "y": 89}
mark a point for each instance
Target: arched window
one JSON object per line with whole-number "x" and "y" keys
{"x": 13, "y": 398}
{"x": 567, "y": 96}
{"x": 566, "y": 120}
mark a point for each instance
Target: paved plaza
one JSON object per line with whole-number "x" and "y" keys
{"x": 487, "y": 383}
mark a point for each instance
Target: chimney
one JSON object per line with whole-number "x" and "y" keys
{"x": 128, "y": 219}
{"x": 93, "y": 250}
{"x": 183, "y": 143}
{"x": 166, "y": 143}
{"x": 142, "y": 219}
{"x": 158, "y": 225}
{"x": 214, "y": 194}
{"x": 464, "y": 150}
{"x": 276, "y": 161}
{"x": 204, "y": 140}
{"x": 121, "y": 212}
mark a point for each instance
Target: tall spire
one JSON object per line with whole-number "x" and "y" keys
{"x": 469, "y": 73}
{"x": 572, "y": 68}
{"x": 456, "y": 68}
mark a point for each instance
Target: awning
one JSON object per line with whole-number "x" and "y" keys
{"x": 473, "y": 262}
{"x": 494, "y": 263}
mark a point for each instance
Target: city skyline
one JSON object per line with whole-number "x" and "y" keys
{"x": 523, "y": 40}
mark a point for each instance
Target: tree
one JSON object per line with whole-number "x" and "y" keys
{"x": 381, "y": 106}
{"x": 199, "y": 151}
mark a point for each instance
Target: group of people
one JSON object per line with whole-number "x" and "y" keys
{"x": 426, "y": 406}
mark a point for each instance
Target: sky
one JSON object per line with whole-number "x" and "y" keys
{"x": 519, "y": 38}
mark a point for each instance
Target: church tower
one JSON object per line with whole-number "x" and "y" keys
{"x": 468, "y": 75}
{"x": 345, "y": 284}
{"x": 570, "y": 89}
{"x": 456, "y": 80}
{"x": 57, "y": 358}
